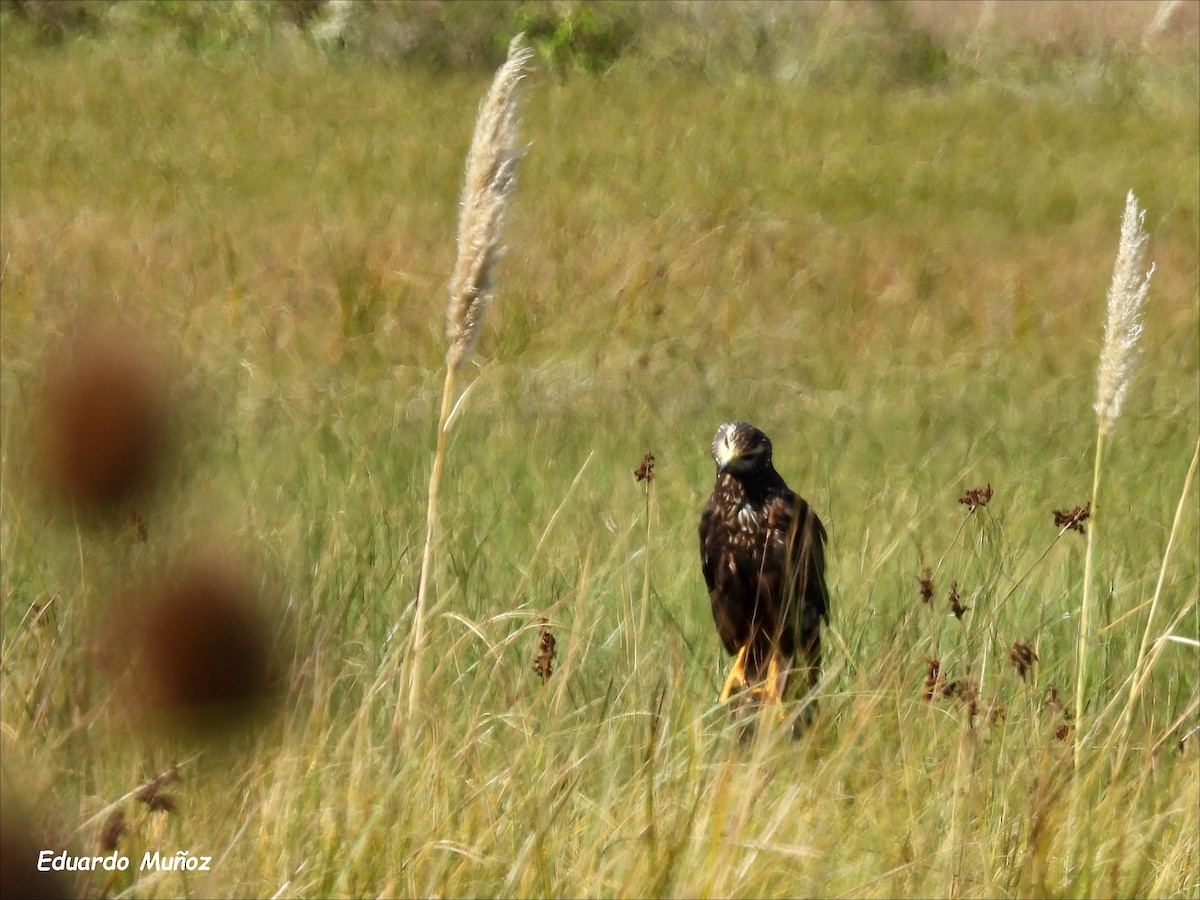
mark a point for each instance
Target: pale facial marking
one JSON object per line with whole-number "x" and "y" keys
{"x": 728, "y": 451}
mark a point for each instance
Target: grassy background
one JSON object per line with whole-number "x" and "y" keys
{"x": 900, "y": 277}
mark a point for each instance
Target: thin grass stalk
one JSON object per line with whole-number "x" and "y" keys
{"x": 487, "y": 191}
{"x": 1157, "y": 647}
{"x": 1139, "y": 667}
{"x": 1162, "y": 572}
{"x": 1085, "y": 624}
{"x": 527, "y": 568}
{"x": 643, "y": 615}
{"x": 431, "y": 530}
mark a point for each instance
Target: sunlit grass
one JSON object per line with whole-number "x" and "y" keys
{"x": 902, "y": 288}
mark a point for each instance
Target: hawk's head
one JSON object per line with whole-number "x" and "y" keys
{"x": 740, "y": 449}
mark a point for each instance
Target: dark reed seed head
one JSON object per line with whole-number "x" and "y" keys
{"x": 925, "y": 580}
{"x": 645, "y": 472}
{"x": 966, "y": 690}
{"x": 933, "y": 679}
{"x": 977, "y": 497}
{"x": 543, "y": 663}
{"x": 1056, "y": 704}
{"x": 1073, "y": 519}
{"x": 1022, "y": 657}
{"x": 955, "y": 606}
{"x": 114, "y": 828}
{"x": 937, "y": 686}
{"x": 153, "y": 795}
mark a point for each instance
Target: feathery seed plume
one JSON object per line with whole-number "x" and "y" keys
{"x": 1126, "y": 297}
{"x": 491, "y": 171}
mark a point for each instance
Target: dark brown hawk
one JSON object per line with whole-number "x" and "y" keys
{"x": 763, "y": 552}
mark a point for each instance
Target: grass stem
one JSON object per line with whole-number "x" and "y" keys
{"x": 1085, "y": 609}
{"x": 427, "y": 554}
{"x": 1140, "y": 669}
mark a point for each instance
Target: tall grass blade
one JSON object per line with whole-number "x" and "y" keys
{"x": 1140, "y": 669}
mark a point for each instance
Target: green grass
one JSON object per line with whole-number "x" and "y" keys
{"x": 904, "y": 288}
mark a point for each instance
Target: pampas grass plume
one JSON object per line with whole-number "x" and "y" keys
{"x": 490, "y": 175}
{"x": 1123, "y": 329}
{"x": 491, "y": 172}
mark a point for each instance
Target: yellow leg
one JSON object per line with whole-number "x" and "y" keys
{"x": 761, "y": 693}
{"x": 771, "y": 689}
{"x": 782, "y": 672}
{"x": 737, "y": 675}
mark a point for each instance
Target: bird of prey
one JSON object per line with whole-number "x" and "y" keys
{"x": 763, "y": 552}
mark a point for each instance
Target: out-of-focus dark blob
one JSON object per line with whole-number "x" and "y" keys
{"x": 20, "y": 848}
{"x": 206, "y": 651}
{"x": 105, "y": 420}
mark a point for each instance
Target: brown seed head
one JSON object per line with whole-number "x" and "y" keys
{"x": 1023, "y": 657}
{"x": 153, "y": 794}
{"x": 977, "y": 497}
{"x": 110, "y": 834}
{"x": 1056, "y": 705}
{"x": 966, "y": 690}
{"x": 926, "y": 582}
{"x": 645, "y": 472}
{"x": 543, "y": 663}
{"x": 1073, "y": 520}
{"x": 934, "y": 682}
{"x": 955, "y": 607}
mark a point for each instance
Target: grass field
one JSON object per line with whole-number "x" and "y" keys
{"x": 904, "y": 286}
